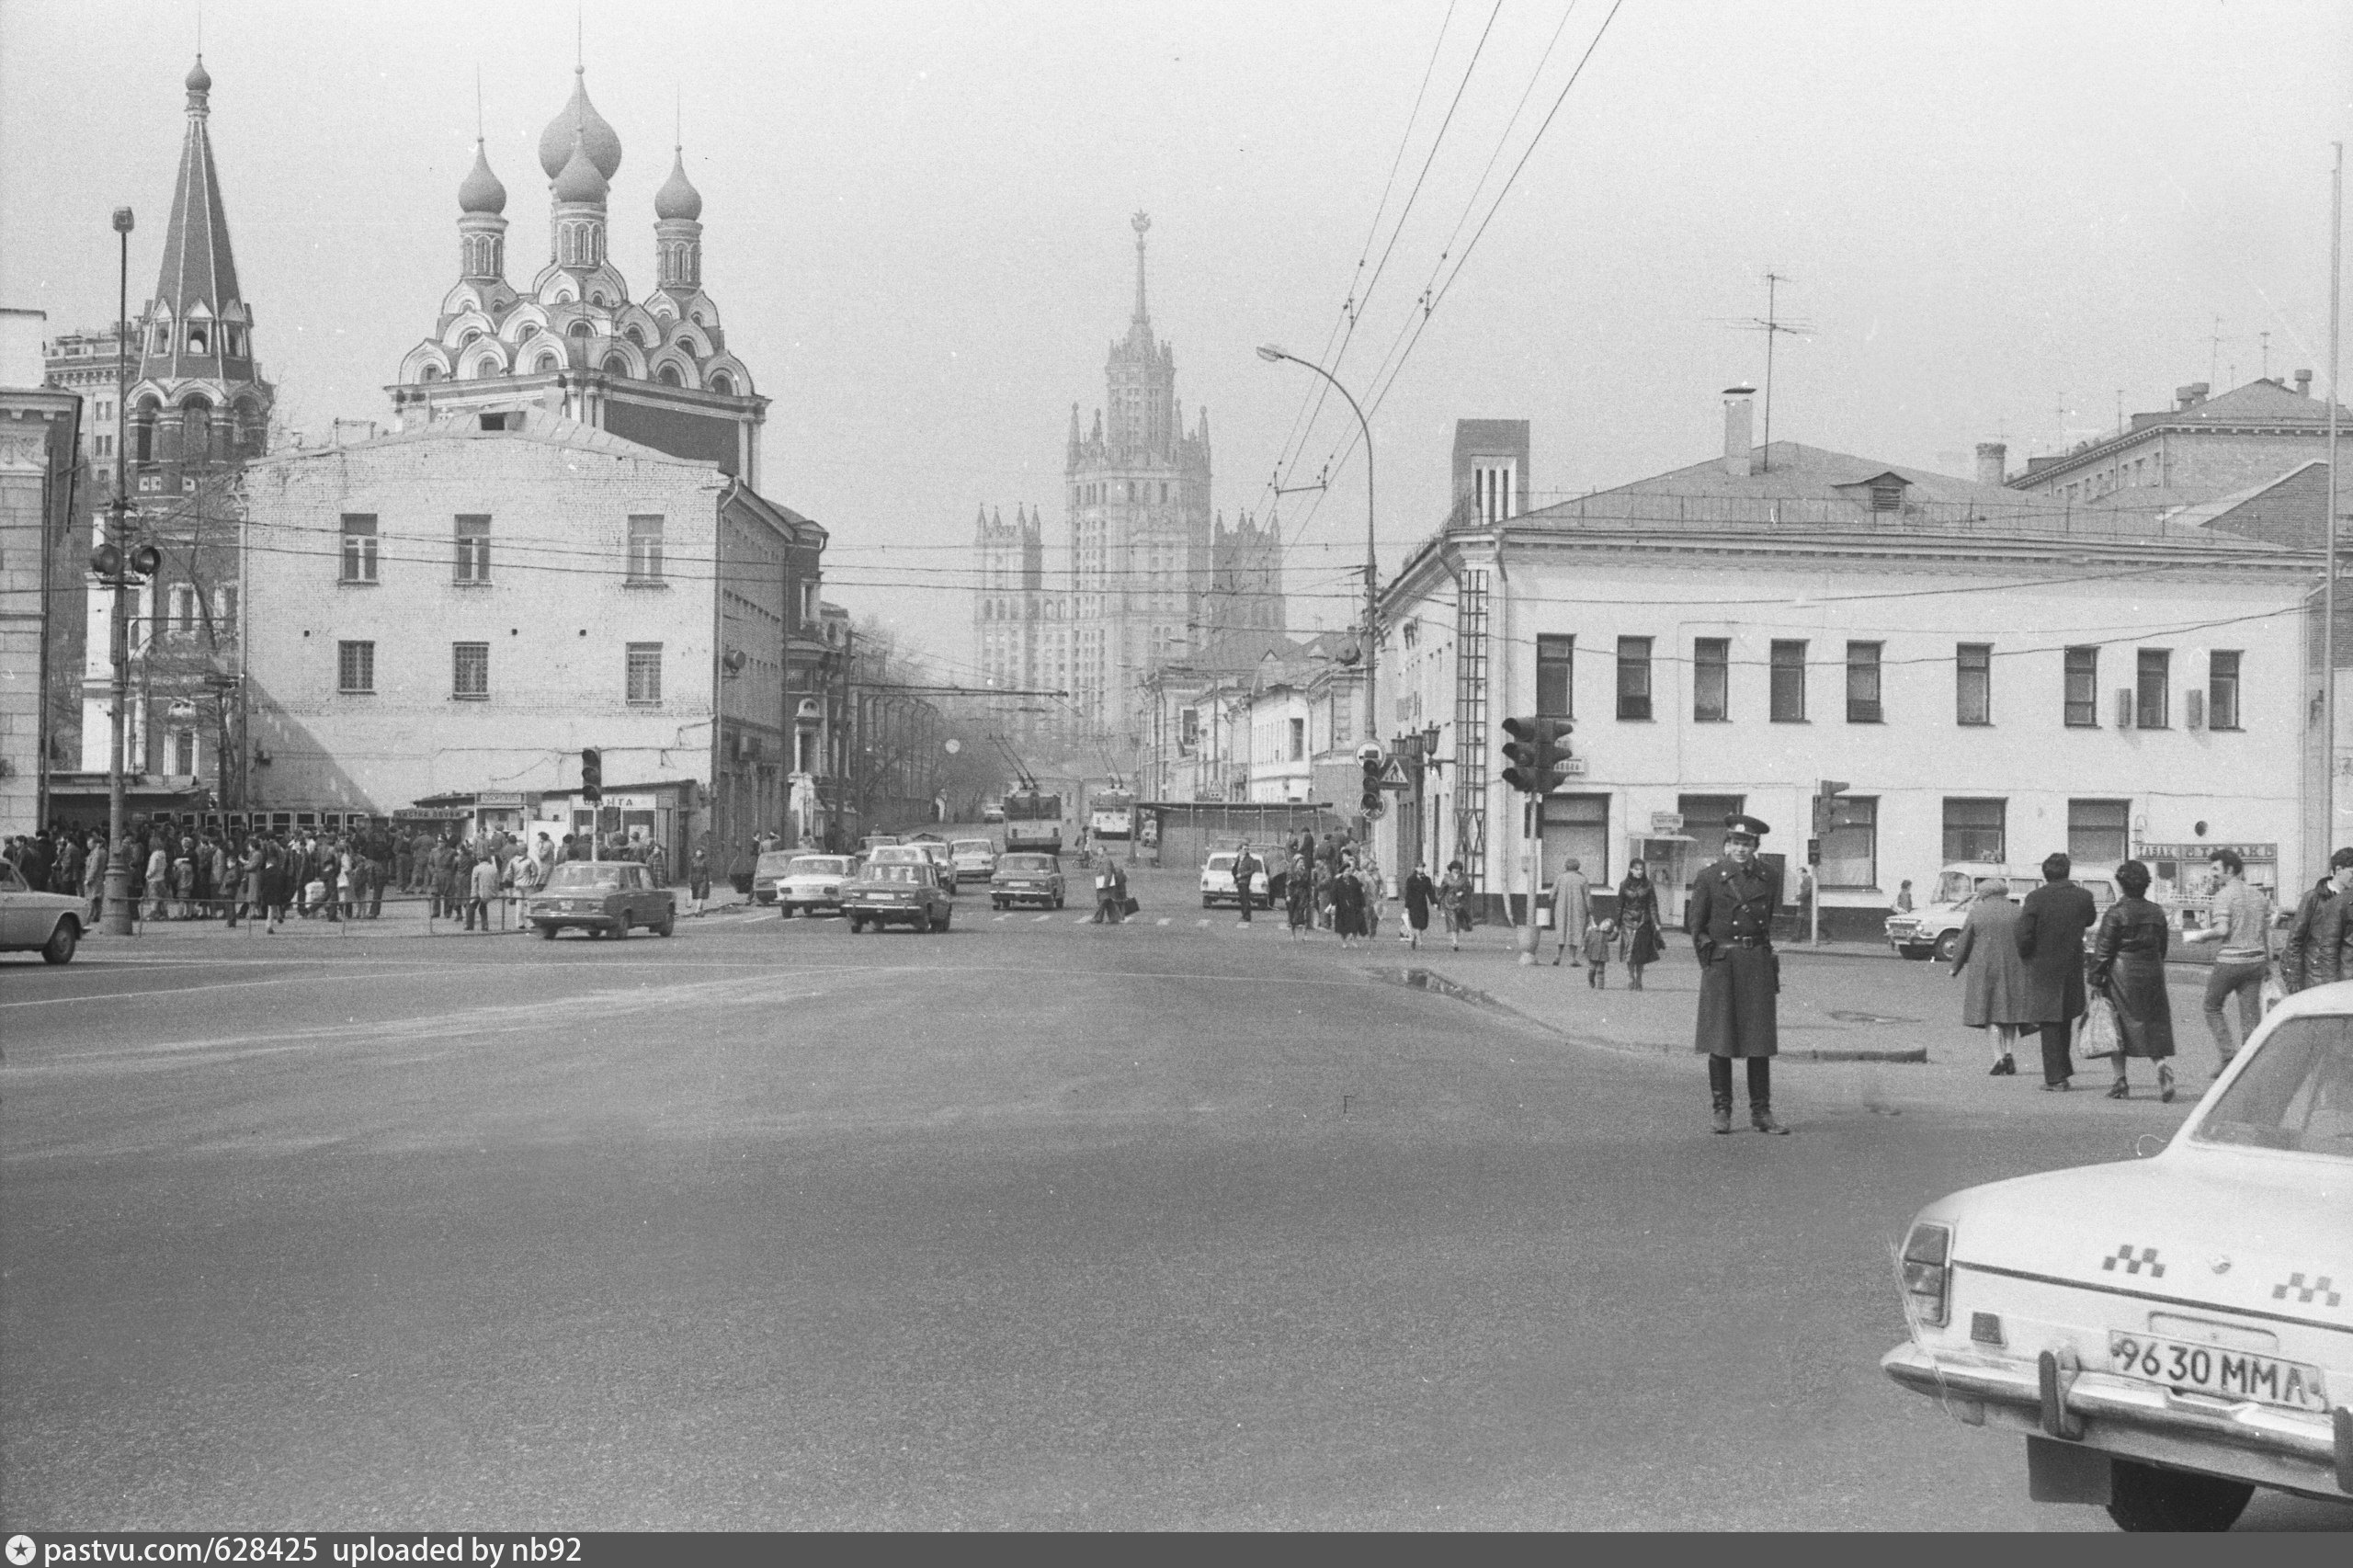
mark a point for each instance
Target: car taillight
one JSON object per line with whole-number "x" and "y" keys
{"x": 1928, "y": 1273}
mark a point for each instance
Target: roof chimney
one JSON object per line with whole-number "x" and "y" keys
{"x": 2191, "y": 396}
{"x": 1740, "y": 460}
{"x": 2303, "y": 384}
{"x": 1992, "y": 463}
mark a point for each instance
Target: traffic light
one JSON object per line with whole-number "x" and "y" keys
{"x": 1825, "y": 804}
{"x": 146, "y": 560}
{"x": 592, "y": 775}
{"x": 1370, "y": 799}
{"x": 1536, "y": 749}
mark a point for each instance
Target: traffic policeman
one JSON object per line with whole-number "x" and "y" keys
{"x": 1730, "y": 920}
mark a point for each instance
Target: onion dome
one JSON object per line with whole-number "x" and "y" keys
{"x": 581, "y": 122}
{"x": 579, "y": 179}
{"x": 200, "y": 80}
{"x": 482, "y": 192}
{"x": 678, "y": 197}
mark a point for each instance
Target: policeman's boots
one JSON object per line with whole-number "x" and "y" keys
{"x": 1723, "y": 1103}
{"x": 1760, "y": 1117}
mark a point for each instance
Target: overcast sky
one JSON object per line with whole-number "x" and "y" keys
{"x": 915, "y": 221}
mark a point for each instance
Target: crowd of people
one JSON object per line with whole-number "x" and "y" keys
{"x": 179, "y": 872}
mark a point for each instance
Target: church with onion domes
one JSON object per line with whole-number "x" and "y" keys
{"x": 574, "y": 343}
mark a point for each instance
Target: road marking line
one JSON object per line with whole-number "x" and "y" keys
{"x": 1162, "y": 921}
{"x": 1041, "y": 917}
{"x": 1081, "y": 919}
{"x": 1201, "y": 922}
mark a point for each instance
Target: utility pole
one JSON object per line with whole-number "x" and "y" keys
{"x": 2328, "y": 591}
{"x": 116, "y": 918}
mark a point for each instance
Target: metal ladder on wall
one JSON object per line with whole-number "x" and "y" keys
{"x": 1471, "y": 724}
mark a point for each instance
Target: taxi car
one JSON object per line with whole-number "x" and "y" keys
{"x": 49, "y": 922}
{"x": 1933, "y": 930}
{"x": 974, "y": 858}
{"x": 896, "y": 893}
{"x": 1022, "y": 877}
{"x": 919, "y": 852}
{"x": 2167, "y": 1334}
{"x": 1217, "y": 881}
{"x": 602, "y": 898}
{"x": 809, "y": 883}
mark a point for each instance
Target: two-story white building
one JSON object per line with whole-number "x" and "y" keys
{"x": 1990, "y": 677}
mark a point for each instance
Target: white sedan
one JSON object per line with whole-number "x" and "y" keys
{"x": 2168, "y": 1333}
{"x": 51, "y": 922}
{"x": 1217, "y": 881}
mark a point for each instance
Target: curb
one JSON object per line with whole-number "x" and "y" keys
{"x": 1420, "y": 979}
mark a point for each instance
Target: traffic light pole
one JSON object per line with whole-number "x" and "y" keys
{"x": 115, "y": 921}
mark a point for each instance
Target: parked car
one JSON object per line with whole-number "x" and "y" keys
{"x": 1217, "y": 881}
{"x": 974, "y": 858}
{"x": 993, "y": 812}
{"x": 2171, "y": 1332}
{"x": 601, "y": 897}
{"x": 1022, "y": 877}
{"x": 49, "y": 922}
{"x": 1934, "y": 928}
{"x": 808, "y": 883}
{"x": 896, "y": 893}
{"x": 929, "y": 852}
{"x": 768, "y": 872}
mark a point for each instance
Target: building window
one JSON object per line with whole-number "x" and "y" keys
{"x": 1711, "y": 680}
{"x": 184, "y": 752}
{"x": 1556, "y": 669}
{"x": 470, "y": 671}
{"x": 2153, "y": 706}
{"x": 2222, "y": 690}
{"x": 1973, "y": 683}
{"x": 1704, "y": 815}
{"x": 1887, "y": 496}
{"x": 1298, "y": 740}
{"x": 1344, "y": 726}
{"x": 358, "y": 547}
{"x": 2082, "y": 689}
{"x": 183, "y": 615}
{"x": 1973, "y": 830}
{"x": 646, "y": 672}
{"x": 1633, "y": 678}
{"x": 2096, "y": 832}
{"x": 645, "y": 549}
{"x": 1788, "y": 683}
{"x": 1850, "y": 849}
{"x": 355, "y": 666}
{"x": 473, "y": 550}
{"x": 224, "y": 610}
{"x": 1862, "y": 683}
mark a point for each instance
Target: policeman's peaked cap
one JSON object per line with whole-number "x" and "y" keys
{"x": 1740, "y": 825}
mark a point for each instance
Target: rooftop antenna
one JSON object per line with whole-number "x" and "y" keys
{"x": 2214, "y": 352}
{"x": 2266, "y": 339}
{"x": 1771, "y": 325}
{"x": 478, "y": 135}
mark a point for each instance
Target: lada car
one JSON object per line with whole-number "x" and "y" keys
{"x": 919, "y": 852}
{"x": 1022, "y": 877}
{"x": 974, "y": 858}
{"x": 896, "y": 893}
{"x": 1217, "y": 881}
{"x": 48, "y": 923}
{"x": 602, "y": 898}
{"x": 1933, "y": 930}
{"x": 2167, "y": 1334}
{"x": 807, "y": 883}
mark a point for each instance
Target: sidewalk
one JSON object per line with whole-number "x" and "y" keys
{"x": 404, "y": 916}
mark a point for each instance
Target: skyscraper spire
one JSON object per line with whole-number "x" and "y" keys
{"x": 1140, "y": 223}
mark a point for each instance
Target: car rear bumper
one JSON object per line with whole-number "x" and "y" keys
{"x": 2271, "y": 1447}
{"x": 576, "y": 922}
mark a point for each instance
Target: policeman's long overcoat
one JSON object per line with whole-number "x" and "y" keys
{"x": 2052, "y": 922}
{"x": 1739, "y": 984}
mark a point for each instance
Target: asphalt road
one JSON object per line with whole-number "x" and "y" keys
{"x": 1032, "y": 1223}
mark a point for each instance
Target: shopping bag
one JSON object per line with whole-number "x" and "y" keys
{"x": 2273, "y": 991}
{"x": 1131, "y": 906}
{"x": 2101, "y": 1037}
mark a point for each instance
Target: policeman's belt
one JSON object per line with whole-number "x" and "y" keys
{"x": 1746, "y": 941}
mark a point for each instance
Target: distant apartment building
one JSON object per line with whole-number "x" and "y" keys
{"x": 39, "y": 430}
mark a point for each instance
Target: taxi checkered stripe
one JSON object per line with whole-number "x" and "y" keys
{"x": 2133, "y": 1261}
{"x": 2321, "y": 1288}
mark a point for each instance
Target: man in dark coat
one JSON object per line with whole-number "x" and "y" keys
{"x": 2052, "y": 922}
{"x": 1730, "y": 919}
{"x": 2303, "y": 960}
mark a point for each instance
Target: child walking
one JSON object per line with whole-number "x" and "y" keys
{"x": 1599, "y": 938}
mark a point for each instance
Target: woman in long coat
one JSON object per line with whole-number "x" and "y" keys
{"x": 1347, "y": 905}
{"x": 1299, "y": 896}
{"x": 2129, "y": 969}
{"x": 1638, "y": 941}
{"x": 1420, "y": 895}
{"x": 1987, "y": 956}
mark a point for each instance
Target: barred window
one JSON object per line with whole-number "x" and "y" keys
{"x": 470, "y": 670}
{"x": 356, "y": 666}
{"x": 644, "y": 550}
{"x": 473, "y": 550}
{"x": 644, "y": 672}
{"x": 358, "y": 547}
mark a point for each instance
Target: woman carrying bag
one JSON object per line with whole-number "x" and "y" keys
{"x": 1637, "y": 923}
{"x": 2128, "y": 970}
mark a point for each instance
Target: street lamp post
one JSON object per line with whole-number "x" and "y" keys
{"x": 1273, "y": 354}
{"x": 116, "y": 920}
